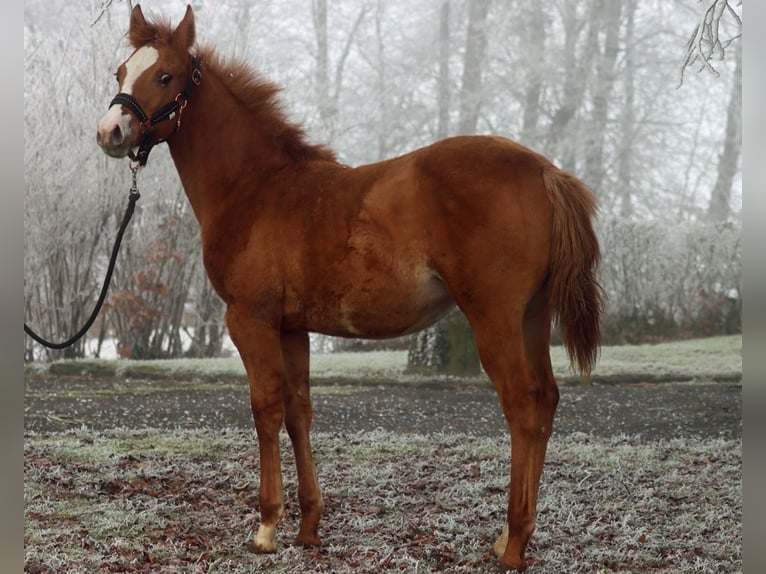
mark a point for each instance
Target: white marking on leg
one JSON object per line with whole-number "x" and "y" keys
{"x": 266, "y": 539}
{"x": 502, "y": 542}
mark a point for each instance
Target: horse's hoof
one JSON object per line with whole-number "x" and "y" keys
{"x": 308, "y": 540}
{"x": 521, "y": 564}
{"x": 518, "y": 566}
{"x": 256, "y": 548}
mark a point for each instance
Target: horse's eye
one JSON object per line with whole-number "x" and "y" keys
{"x": 165, "y": 79}
{"x": 117, "y": 77}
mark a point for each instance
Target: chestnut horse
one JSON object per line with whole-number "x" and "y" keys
{"x": 296, "y": 242}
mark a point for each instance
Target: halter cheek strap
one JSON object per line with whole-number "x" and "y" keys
{"x": 166, "y": 112}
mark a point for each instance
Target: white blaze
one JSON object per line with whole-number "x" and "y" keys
{"x": 143, "y": 59}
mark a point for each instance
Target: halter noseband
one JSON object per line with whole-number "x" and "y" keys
{"x": 166, "y": 112}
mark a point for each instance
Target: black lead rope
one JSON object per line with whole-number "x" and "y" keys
{"x": 132, "y": 199}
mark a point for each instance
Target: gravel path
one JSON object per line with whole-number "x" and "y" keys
{"x": 650, "y": 411}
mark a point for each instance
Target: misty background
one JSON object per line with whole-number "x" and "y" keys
{"x": 597, "y": 86}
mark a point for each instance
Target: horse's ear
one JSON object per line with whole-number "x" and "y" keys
{"x": 139, "y": 32}
{"x": 184, "y": 34}
{"x": 137, "y": 20}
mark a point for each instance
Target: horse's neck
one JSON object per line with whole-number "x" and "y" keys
{"x": 217, "y": 152}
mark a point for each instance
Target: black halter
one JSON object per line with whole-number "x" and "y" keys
{"x": 166, "y": 112}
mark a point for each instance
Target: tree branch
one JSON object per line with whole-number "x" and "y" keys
{"x": 346, "y": 49}
{"x": 105, "y": 5}
{"x": 705, "y": 42}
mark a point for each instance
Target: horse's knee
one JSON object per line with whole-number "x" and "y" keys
{"x": 299, "y": 414}
{"x": 531, "y": 393}
{"x": 546, "y": 394}
{"x": 530, "y": 406}
{"x": 267, "y": 415}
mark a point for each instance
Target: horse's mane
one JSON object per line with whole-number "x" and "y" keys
{"x": 250, "y": 88}
{"x": 259, "y": 95}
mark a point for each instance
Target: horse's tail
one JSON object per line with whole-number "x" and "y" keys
{"x": 574, "y": 291}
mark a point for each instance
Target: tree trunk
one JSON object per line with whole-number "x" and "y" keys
{"x": 628, "y": 124}
{"x": 728, "y": 161}
{"x": 475, "y": 46}
{"x": 322, "y": 73}
{"x": 327, "y": 94}
{"x": 576, "y": 78}
{"x": 534, "y": 38}
{"x": 444, "y": 52}
{"x": 594, "y": 145}
{"x": 448, "y": 347}
{"x": 209, "y": 324}
{"x": 381, "y": 82}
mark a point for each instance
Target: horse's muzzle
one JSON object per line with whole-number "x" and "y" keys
{"x": 112, "y": 142}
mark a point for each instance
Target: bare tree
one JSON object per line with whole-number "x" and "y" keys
{"x": 104, "y": 9}
{"x": 444, "y": 81}
{"x": 325, "y": 102}
{"x": 327, "y": 95}
{"x": 608, "y": 13}
{"x": 576, "y": 61}
{"x": 533, "y": 34}
{"x": 628, "y": 122}
{"x": 71, "y": 206}
{"x": 728, "y": 162}
{"x": 475, "y": 47}
{"x": 705, "y": 44}
{"x": 381, "y": 83}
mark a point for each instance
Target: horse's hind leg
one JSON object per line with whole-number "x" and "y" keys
{"x": 298, "y": 416}
{"x": 513, "y": 346}
{"x": 261, "y": 352}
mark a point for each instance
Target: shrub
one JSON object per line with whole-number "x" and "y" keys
{"x": 669, "y": 282}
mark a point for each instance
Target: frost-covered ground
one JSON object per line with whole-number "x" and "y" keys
{"x": 186, "y": 501}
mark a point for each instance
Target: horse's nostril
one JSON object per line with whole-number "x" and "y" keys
{"x": 116, "y": 136}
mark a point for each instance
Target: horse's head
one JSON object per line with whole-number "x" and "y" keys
{"x": 155, "y": 83}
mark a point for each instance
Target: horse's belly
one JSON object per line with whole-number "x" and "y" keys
{"x": 385, "y": 306}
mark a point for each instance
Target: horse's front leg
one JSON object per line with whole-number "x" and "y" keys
{"x": 298, "y": 416}
{"x": 261, "y": 352}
